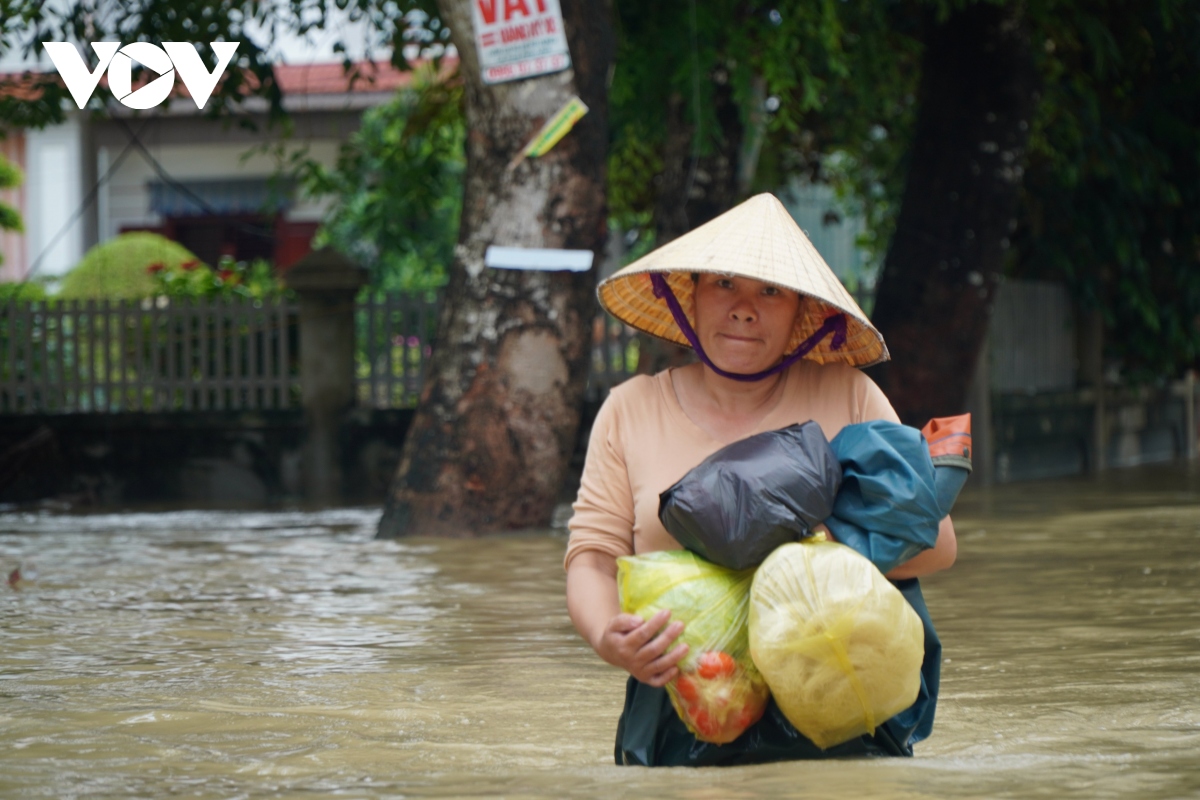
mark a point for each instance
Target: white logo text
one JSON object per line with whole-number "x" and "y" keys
{"x": 172, "y": 57}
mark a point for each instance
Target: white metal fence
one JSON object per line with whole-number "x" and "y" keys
{"x": 614, "y": 355}
{"x": 154, "y": 355}
{"x": 64, "y": 357}
{"x": 109, "y": 356}
{"x": 394, "y": 341}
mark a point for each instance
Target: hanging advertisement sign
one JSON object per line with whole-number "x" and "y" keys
{"x": 519, "y": 39}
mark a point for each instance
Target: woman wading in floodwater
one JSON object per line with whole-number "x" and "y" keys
{"x": 779, "y": 341}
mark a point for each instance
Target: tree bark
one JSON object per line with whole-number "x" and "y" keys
{"x": 497, "y": 418}
{"x": 935, "y": 294}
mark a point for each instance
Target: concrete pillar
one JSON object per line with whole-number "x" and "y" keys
{"x": 325, "y": 283}
{"x": 979, "y": 404}
{"x": 1189, "y": 415}
{"x": 1091, "y": 369}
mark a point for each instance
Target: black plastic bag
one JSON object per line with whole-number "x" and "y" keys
{"x": 754, "y": 495}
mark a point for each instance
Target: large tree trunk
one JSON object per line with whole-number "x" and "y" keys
{"x": 498, "y": 414}
{"x": 939, "y": 279}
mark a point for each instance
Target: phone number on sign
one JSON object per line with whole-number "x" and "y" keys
{"x": 521, "y": 69}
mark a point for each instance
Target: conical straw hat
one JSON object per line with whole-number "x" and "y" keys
{"x": 756, "y": 239}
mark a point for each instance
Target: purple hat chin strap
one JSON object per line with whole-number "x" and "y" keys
{"x": 835, "y": 325}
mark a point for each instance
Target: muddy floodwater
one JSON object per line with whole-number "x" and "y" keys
{"x": 203, "y": 654}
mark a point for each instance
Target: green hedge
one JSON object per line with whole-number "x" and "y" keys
{"x": 21, "y": 291}
{"x": 124, "y": 268}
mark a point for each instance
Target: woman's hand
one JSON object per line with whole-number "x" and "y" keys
{"x": 643, "y": 647}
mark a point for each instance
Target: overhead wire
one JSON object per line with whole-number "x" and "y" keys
{"x": 183, "y": 188}
{"x": 135, "y": 143}
{"x": 79, "y": 212}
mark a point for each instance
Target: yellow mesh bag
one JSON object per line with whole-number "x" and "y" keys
{"x": 838, "y": 645}
{"x": 718, "y": 693}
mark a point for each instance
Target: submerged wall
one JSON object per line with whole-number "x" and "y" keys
{"x": 196, "y": 459}
{"x": 1056, "y": 434}
{"x": 254, "y": 459}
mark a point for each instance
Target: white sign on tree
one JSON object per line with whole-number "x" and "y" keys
{"x": 519, "y": 38}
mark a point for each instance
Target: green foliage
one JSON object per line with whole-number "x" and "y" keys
{"x": 830, "y": 85}
{"x": 10, "y": 218}
{"x": 857, "y": 139}
{"x": 667, "y": 54}
{"x": 1112, "y": 186}
{"x": 143, "y": 264}
{"x": 193, "y": 279}
{"x": 21, "y": 292}
{"x": 633, "y": 162}
{"x": 1110, "y": 192}
{"x": 397, "y": 187}
{"x": 123, "y": 268}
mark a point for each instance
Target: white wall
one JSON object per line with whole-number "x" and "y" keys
{"x": 54, "y": 171}
{"x": 55, "y": 158}
{"x": 125, "y": 200}
{"x": 317, "y": 46}
{"x": 808, "y": 204}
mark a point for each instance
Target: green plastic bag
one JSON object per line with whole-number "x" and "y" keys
{"x": 719, "y": 693}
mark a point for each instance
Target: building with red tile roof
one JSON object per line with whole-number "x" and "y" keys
{"x": 210, "y": 184}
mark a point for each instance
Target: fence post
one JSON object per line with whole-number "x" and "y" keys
{"x": 1091, "y": 359}
{"x": 979, "y": 404}
{"x": 1189, "y": 414}
{"x": 325, "y": 283}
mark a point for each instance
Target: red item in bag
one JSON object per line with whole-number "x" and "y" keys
{"x": 718, "y": 700}
{"x": 719, "y": 692}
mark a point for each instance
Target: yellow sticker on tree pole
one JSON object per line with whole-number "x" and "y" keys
{"x": 553, "y": 130}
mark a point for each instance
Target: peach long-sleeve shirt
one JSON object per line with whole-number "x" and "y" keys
{"x": 642, "y": 442}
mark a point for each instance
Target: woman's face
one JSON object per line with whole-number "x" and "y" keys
{"x": 744, "y": 325}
